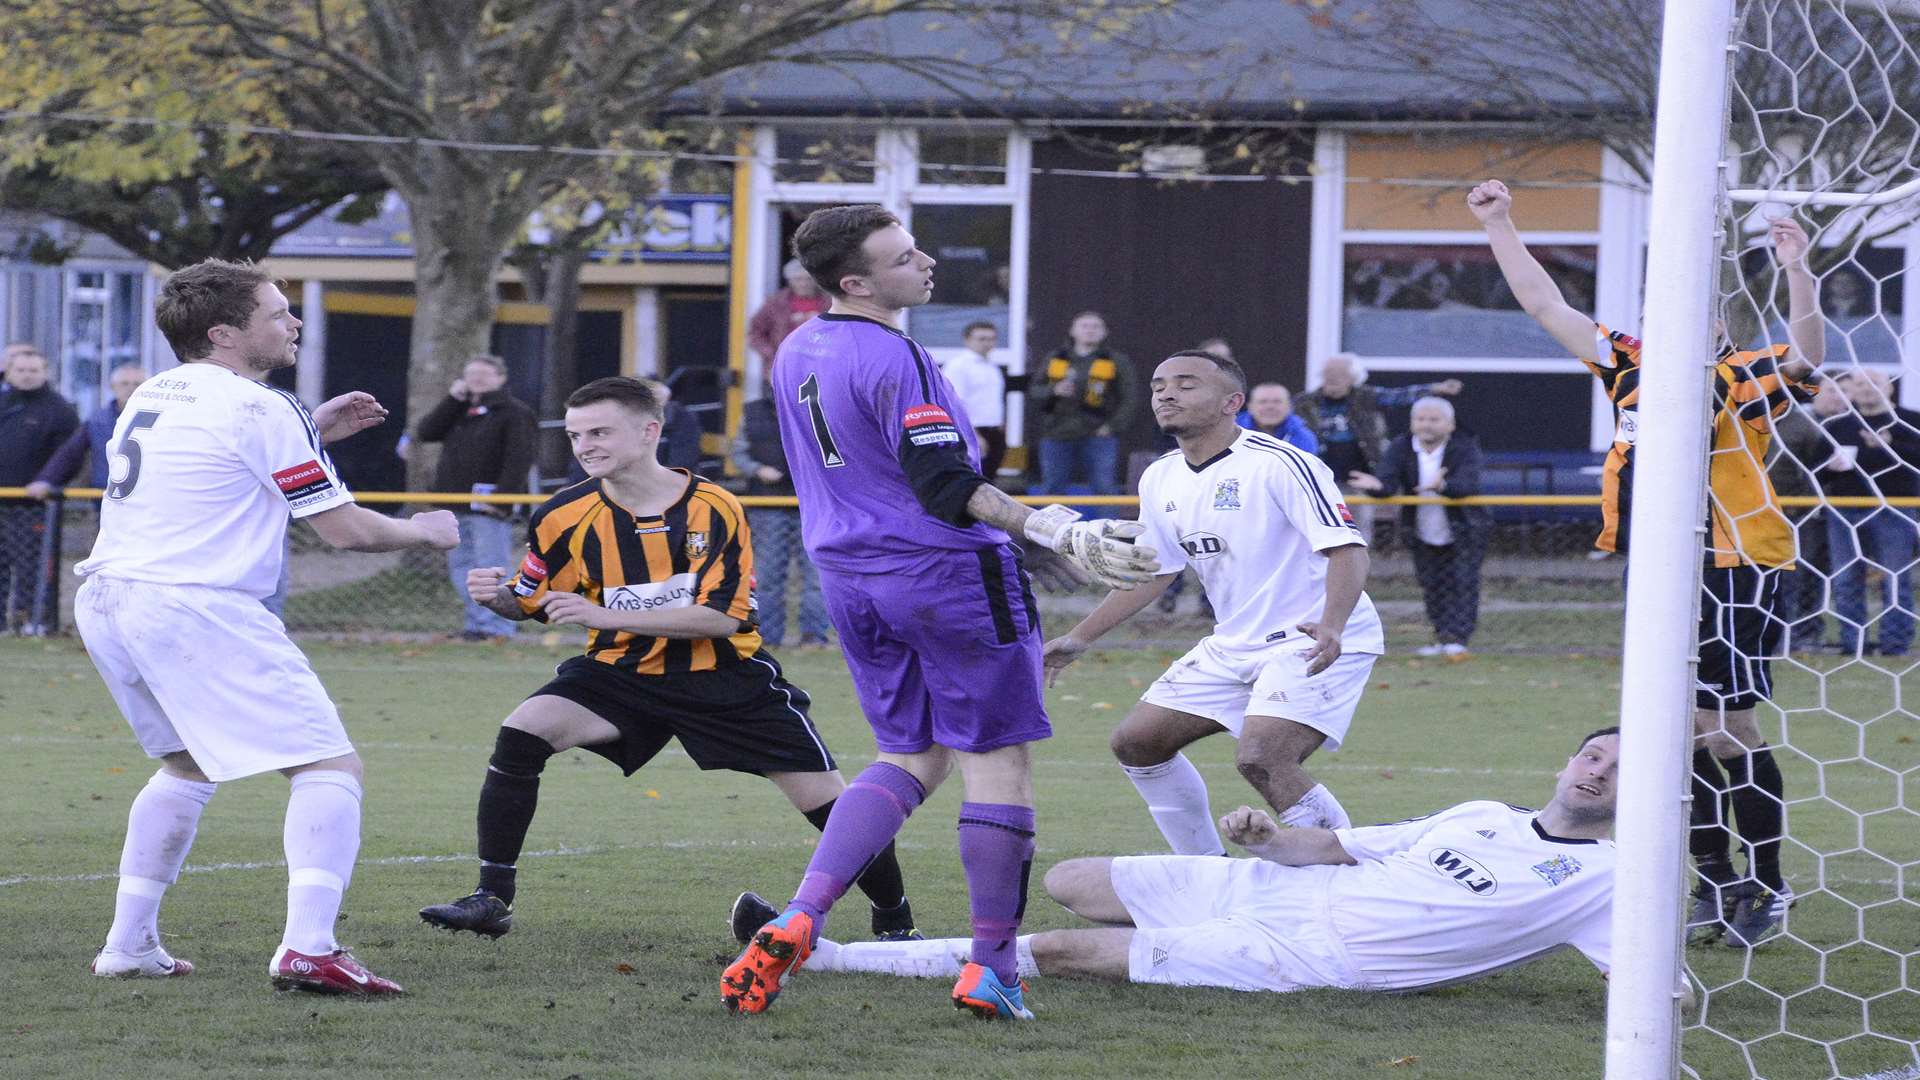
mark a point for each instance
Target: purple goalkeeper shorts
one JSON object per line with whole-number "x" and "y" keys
{"x": 947, "y": 653}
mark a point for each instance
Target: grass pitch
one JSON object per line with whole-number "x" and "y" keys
{"x": 613, "y": 966}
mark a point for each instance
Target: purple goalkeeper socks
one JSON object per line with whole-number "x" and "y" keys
{"x": 996, "y": 849}
{"x": 865, "y": 819}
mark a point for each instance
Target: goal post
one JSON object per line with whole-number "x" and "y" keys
{"x": 1663, "y": 589}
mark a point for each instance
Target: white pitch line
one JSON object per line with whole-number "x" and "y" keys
{"x": 1321, "y": 764}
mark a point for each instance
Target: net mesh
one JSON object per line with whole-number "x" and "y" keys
{"x": 1825, "y": 96}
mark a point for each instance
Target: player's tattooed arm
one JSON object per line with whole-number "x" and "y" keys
{"x": 487, "y": 585}
{"x": 996, "y": 508}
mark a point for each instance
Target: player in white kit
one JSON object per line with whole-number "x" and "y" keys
{"x": 1295, "y": 636}
{"x": 1421, "y": 903}
{"x": 209, "y": 464}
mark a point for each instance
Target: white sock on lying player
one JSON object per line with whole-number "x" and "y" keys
{"x": 936, "y": 958}
{"x": 1317, "y": 809}
{"x": 1177, "y": 798}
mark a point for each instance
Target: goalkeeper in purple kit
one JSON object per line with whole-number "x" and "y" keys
{"x": 929, "y": 595}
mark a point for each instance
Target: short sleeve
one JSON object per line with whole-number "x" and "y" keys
{"x": 281, "y": 444}
{"x": 1380, "y": 841}
{"x": 726, "y": 576}
{"x": 1615, "y": 353}
{"x": 1758, "y": 391}
{"x": 1305, "y": 491}
{"x": 548, "y": 565}
{"x": 1173, "y": 558}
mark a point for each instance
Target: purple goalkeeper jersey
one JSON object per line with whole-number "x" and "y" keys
{"x": 865, "y": 416}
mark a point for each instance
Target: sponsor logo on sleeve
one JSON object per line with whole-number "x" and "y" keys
{"x": 304, "y": 485}
{"x": 533, "y": 571}
{"x": 930, "y": 425}
{"x": 1346, "y": 517}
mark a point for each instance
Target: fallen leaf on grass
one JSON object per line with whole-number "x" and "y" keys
{"x": 1403, "y": 1062}
{"x": 623, "y": 968}
{"x": 115, "y": 769}
{"x": 1386, "y": 774}
{"x": 1101, "y": 705}
{"x": 652, "y": 794}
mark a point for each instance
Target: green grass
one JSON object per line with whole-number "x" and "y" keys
{"x": 612, "y": 970}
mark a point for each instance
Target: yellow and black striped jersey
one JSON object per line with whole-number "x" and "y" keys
{"x": 698, "y": 552}
{"x": 1749, "y": 391}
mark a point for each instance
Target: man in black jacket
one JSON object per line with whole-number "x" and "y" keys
{"x": 487, "y": 436}
{"x": 1448, "y": 542}
{"x": 34, "y": 421}
{"x": 1876, "y": 451}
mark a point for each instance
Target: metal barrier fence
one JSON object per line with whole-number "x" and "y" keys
{"x": 1531, "y": 584}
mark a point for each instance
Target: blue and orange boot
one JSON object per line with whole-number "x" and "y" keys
{"x": 981, "y": 992}
{"x": 751, "y": 982}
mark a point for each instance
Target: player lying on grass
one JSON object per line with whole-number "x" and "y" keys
{"x": 658, "y": 565}
{"x": 1433, "y": 900}
{"x": 1294, "y": 638}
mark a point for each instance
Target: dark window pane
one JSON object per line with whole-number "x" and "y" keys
{"x": 1450, "y": 300}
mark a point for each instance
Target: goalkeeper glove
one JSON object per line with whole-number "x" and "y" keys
{"x": 1103, "y": 548}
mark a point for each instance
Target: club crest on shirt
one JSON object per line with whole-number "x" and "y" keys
{"x": 696, "y": 547}
{"x": 1557, "y": 869}
{"x": 1226, "y": 494}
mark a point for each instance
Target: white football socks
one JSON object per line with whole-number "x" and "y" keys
{"x": 160, "y": 829}
{"x": 1317, "y": 809}
{"x": 322, "y": 838}
{"x": 1177, "y": 798}
{"x": 935, "y": 958}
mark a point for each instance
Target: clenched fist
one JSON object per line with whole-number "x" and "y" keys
{"x": 1490, "y": 201}
{"x": 485, "y": 582}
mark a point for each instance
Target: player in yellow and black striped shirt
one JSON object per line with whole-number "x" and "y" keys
{"x": 1752, "y": 545}
{"x": 657, "y": 565}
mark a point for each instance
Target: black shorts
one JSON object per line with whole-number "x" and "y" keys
{"x": 1739, "y": 636}
{"x": 746, "y": 716}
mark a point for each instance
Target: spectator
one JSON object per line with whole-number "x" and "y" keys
{"x": 1270, "y": 411}
{"x": 1800, "y": 446}
{"x": 88, "y": 443}
{"x": 1085, "y": 392}
{"x": 1448, "y": 542}
{"x": 34, "y": 421}
{"x": 983, "y": 392}
{"x": 680, "y": 434}
{"x": 759, "y": 456}
{"x": 1348, "y": 418}
{"x": 1876, "y": 448}
{"x": 787, "y": 308}
{"x": 487, "y": 448}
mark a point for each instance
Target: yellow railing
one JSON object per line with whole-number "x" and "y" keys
{"x": 454, "y": 498}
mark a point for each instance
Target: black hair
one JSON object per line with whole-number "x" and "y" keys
{"x": 1230, "y": 368}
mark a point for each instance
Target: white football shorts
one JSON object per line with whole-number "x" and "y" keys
{"x": 209, "y": 671}
{"x": 1225, "y": 686}
{"x": 1242, "y": 924}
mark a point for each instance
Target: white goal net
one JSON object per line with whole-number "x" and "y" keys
{"x": 1803, "y": 881}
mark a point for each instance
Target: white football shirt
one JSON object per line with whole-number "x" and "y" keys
{"x": 1253, "y": 523}
{"x": 207, "y": 468}
{"x": 982, "y": 385}
{"x": 1466, "y": 892}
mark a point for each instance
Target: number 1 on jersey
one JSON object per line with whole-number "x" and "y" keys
{"x": 810, "y": 397}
